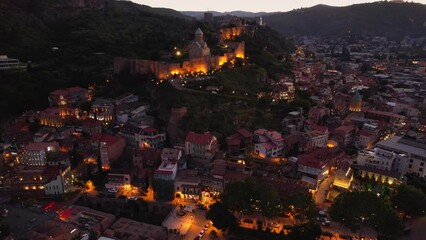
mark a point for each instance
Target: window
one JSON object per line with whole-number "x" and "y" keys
{"x": 409, "y": 165}
{"x": 422, "y": 164}
{"x": 420, "y": 169}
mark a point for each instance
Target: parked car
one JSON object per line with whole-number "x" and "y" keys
{"x": 201, "y": 234}
{"x": 112, "y": 190}
{"x": 326, "y": 223}
{"x": 274, "y": 224}
{"x": 132, "y": 198}
{"x": 207, "y": 226}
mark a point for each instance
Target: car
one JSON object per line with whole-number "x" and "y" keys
{"x": 274, "y": 224}
{"x": 326, "y": 223}
{"x": 132, "y": 198}
{"x": 201, "y": 234}
{"x": 207, "y": 226}
{"x": 112, "y": 190}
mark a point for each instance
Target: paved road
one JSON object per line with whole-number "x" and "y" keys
{"x": 321, "y": 194}
{"x": 418, "y": 229}
{"x": 22, "y": 219}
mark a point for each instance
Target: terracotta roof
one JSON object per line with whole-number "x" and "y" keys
{"x": 268, "y": 145}
{"x": 109, "y": 139}
{"x": 366, "y": 133}
{"x": 344, "y": 129}
{"x": 150, "y": 153}
{"x": 38, "y": 146}
{"x": 245, "y": 133}
{"x": 320, "y": 128}
{"x": 317, "y": 159}
{"x": 345, "y": 166}
{"x": 200, "y": 139}
{"x": 149, "y": 130}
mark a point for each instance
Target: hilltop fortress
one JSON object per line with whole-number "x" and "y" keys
{"x": 200, "y": 60}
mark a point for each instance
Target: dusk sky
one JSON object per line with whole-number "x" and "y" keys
{"x": 246, "y": 5}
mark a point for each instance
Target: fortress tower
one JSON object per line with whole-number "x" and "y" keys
{"x": 198, "y": 48}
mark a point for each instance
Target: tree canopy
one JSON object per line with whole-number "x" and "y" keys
{"x": 220, "y": 216}
{"x": 355, "y": 209}
{"x": 410, "y": 199}
{"x": 250, "y": 196}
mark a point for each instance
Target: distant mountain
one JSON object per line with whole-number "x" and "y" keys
{"x": 199, "y": 15}
{"x": 380, "y": 18}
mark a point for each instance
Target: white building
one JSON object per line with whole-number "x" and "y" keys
{"x": 117, "y": 180}
{"x": 8, "y": 63}
{"x": 398, "y": 154}
{"x": 166, "y": 171}
{"x": 268, "y": 143}
{"x": 318, "y": 139}
{"x": 202, "y": 146}
{"x": 150, "y": 137}
{"x": 59, "y": 184}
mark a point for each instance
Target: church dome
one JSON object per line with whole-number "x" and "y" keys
{"x": 356, "y": 97}
{"x": 198, "y": 32}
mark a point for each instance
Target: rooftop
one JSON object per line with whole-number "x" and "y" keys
{"x": 200, "y": 139}
{"x": 396, "y": 143}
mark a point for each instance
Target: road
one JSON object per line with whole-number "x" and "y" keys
{"x": 321, "y": 194}
{"x": 418, "y": 229}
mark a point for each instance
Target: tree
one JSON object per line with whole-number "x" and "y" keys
{"x": 410, "y": 199}
{"x": 93, "y": 235}
{"x": 86, "y": 106}
{"x": 308, "y": 231}
{"x": 302, "y": 202}
{"x": 163, "y": 189}
{"x": 355, "y": 209}
{"x": 221, "y": 217}
{"x": 4, "y": 229}
{"x": 250, "y": 196}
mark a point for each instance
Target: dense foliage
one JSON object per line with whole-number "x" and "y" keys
{"x": 221, "y": 217}
{"x": 410, "y": 199}
{"x": 355, "y": 209}
{"x": 250, "y": 196}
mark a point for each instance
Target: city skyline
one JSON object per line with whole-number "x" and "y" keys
{"x": 252, "y": 6}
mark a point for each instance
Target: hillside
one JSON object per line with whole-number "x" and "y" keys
{"x": 244, "y": 14}
{"x": 379, "y": 18}
{"x": 30, "y": 30}
{"x": 73, "y": 43}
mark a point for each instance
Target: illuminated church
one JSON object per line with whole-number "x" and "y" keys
{"x": 198, "y": 48}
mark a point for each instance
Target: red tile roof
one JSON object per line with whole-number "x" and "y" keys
{"x": 317, "y": 159}
{"x": 109, "y": 139}
{"x": 320, "y": 128}
{"x": 245, "y": 133}
{"x": 200, "y": 139}
{"x": 344, "y": 129}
